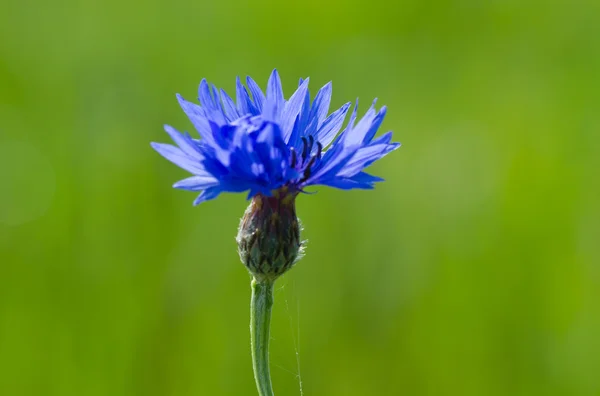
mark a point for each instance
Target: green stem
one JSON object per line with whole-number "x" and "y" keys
{"x": 260, "y": 325}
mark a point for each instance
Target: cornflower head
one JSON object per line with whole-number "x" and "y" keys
{"x": 263, "y": 144}
{"x": 274, "y": 149}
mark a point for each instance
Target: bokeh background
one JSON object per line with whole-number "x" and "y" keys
{"x": 474, "y": 270}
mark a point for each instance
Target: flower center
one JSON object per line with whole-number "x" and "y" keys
{"x": 305, "y": 161}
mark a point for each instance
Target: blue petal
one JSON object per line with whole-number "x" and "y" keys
{"x": 308, "y": 130}
{"x": 352, "y": 118}
{"x": 375, "y": 125}
{"x": 257, "y": 94}
{"x": 229, "y": 107}
{"x": 320, "y": 106}
{"x": 207, "y": 195}
{"x": 275, "y": 100}
{"x": 241, "y": 167}
{"x": 223, "y": 136}
{"x": 332, "y": 125}
{"x": 291, "y": 109}
{"x": 197, "y": 183}
{"x": 349, "y": 126}
{"x": 356, "y": 135}
{"x": 386, "y": 138}
{"x": 361, "y": 180}
{"x": 215, "y": 160}
{"x": 364, "y": 177}
{"x": 209, "y": 101}
{"x": 305, "y": 113}
{"x": 294, "y": 140}
{"x": 178, "y": 157}
{"x": 244, "y": 104}
{"x": 333, "y": 160}
{"x": 268, "y": 148}
{"x": 215, "y": 95}
{"x": 198, "y": 118}
{"x": 205, "y": 96}
{"x": 185, "y": 142}
{"x": 346, "y": 184}
{"x": 365, "y": 157}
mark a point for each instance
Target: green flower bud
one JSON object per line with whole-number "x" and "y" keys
{"x": 269, "y": 235}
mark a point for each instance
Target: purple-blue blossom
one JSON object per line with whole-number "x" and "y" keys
{"x": 265, "y": 144}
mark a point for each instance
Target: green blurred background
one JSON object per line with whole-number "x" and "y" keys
{"x": 474, "y": 270}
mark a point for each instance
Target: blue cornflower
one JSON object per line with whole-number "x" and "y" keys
{"x": 273, "y": 148}
{"x": 265, "y": 144}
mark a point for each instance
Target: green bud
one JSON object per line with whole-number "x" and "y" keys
{"x": 269, "y": 235}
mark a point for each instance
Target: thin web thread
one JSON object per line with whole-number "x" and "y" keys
{"x": 297, "y": 374}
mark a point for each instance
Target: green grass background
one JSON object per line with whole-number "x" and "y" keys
{"x": 474, "y": 270}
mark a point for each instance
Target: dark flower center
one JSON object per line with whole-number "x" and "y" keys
{"x": 305, "y": 161}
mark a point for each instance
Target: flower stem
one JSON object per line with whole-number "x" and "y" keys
{"x": 260, "y": 324}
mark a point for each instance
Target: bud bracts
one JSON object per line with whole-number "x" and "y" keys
{"x": 269, "y": 235}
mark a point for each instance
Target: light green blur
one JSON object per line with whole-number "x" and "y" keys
{"x": 474, "y": 270}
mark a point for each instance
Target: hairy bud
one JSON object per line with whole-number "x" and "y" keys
{"x": 269, "y": 236}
